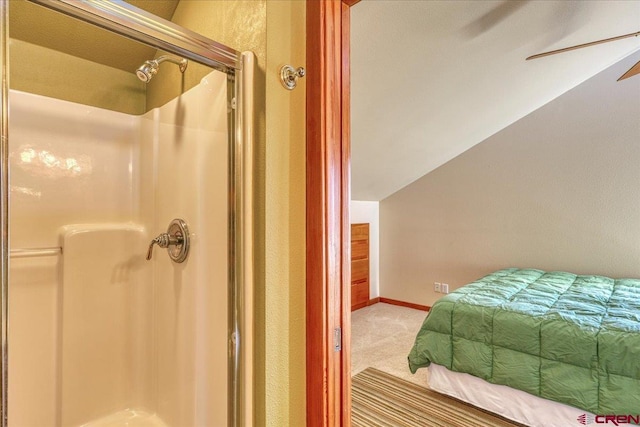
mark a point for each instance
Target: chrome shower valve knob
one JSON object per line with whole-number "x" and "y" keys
{"x": 156, "y": 241}
{"x": 175, "y": 240}
{"x": 164, "y": 240}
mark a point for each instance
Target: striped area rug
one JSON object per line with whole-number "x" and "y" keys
{"x": 382, "y": 400}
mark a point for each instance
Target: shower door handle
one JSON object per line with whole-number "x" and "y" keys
{"x": 175, "y": 240}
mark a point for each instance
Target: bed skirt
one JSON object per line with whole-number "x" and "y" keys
{"x": 508, "y": 402}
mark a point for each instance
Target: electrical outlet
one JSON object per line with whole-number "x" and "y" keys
{"x": 444, "y": 288}
{"x": 436, "y": 286}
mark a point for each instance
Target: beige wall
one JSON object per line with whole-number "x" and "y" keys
{"x": 54, "y": 74}
{"x": 557, "y": 190}
{"x": 237, "y": 24}
{"x": 283, "y": 201}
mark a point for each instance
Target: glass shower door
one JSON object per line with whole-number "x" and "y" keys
{"x": 101, "y": 162}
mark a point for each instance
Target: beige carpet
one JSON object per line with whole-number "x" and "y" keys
{"x": 382, "y": 400}
{"x": 382, "y": 336}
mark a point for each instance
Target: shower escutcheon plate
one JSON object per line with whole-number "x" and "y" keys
{"x": 175, "y": 240}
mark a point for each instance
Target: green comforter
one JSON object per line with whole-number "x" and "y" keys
{"x": 572, "y": 339}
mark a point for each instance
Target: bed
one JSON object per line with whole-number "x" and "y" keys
{"x": 558, "y": 336}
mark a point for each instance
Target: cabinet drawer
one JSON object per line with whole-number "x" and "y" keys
{"x": 359, "y": 232}
{"x": 359, "y": 270}
{"x": 359, "y": 293}
{"x": 359, "y": 249}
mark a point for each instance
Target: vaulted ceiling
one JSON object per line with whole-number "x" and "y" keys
{"x": 430, "y": 79}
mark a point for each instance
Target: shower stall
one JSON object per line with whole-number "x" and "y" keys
{"x": 126, "y": 215}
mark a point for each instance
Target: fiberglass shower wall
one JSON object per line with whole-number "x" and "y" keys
{"x": 74, "y": 318}
{"x": 184, "y": 156}
{"x": 99, "y": 335}
{"x": 99, "y": 328}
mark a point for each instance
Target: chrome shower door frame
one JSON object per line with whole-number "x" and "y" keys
{"x": 4, "y": 209}
{"x": 122, "y": 18}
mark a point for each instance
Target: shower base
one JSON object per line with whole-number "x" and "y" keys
{"x": 128, "y": 418}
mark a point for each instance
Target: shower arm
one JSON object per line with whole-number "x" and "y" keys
{"x": 150, "y": 68}
{"x": 181, "y": 63}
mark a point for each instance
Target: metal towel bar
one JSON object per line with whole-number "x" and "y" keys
{"x": 35, "y": 252}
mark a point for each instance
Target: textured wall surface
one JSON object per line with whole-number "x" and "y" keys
{"x": 557, "y": 190}
{"x": 284, "y": 221}
{"x": 240, "y": 25}
{"x": 36, "y": 69}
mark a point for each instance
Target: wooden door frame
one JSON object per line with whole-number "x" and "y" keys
{"x": 328, "y": 189}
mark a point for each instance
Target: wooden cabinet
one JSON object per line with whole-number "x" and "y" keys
{"x": 359, "y": 266}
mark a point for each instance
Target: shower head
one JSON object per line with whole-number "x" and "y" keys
{"x": 150, "y": 67}
{"x": 147, "y": 70}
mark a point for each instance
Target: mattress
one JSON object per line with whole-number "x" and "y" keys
{"x": 563, "y": 337}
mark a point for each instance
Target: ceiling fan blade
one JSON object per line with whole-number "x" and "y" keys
{"x": 580, "y": 46}
{"x": 631, "y": 71}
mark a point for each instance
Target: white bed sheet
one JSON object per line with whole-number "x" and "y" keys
{"x": 513, "y": 404}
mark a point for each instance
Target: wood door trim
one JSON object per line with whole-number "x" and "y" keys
{"x": 345, "y": 162}
{"x": 327, "y": 214}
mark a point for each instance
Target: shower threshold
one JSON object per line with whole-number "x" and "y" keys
{"x": 128, "y": 418}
